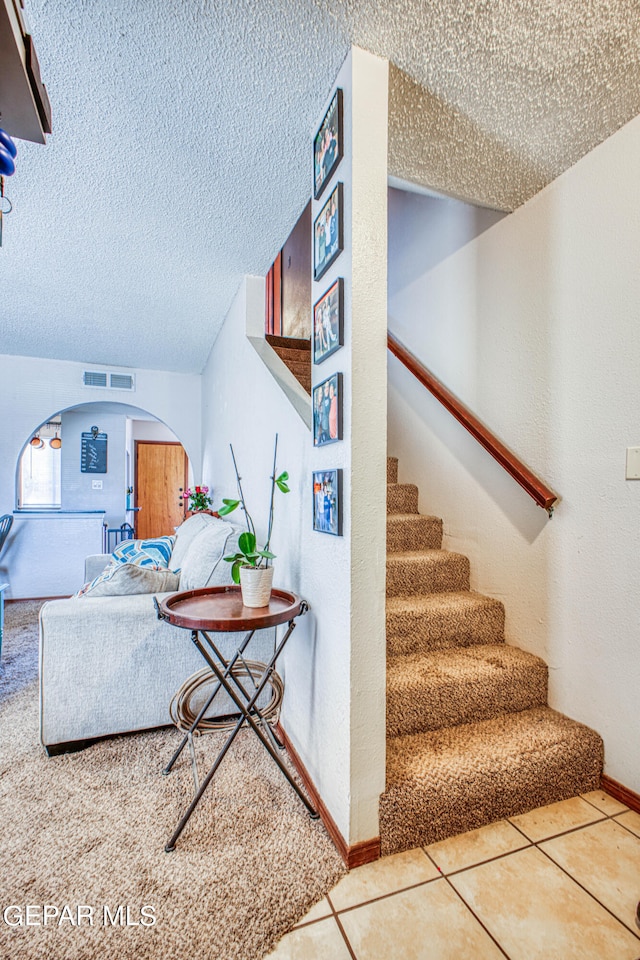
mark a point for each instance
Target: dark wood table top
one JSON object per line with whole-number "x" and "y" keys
{"x": 221, "y": 608}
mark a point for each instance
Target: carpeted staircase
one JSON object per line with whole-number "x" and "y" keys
{"x": 470, "y": 738}
{"x": 295, "y": 353}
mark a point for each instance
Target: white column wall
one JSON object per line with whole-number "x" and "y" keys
{"x": 534, "y": 324}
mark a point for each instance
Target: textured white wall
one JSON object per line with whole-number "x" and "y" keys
{"x": 77, "y": 487}
{"x": 535, "y": 325}
{"x": 32, "y": 390}
{"x": 152, "y": 430}
{"x": 334, "y": 666}
{"x": 367, "y": 484}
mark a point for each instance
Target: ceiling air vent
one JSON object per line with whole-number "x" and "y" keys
{"x": 121, "y": 381}
{"x": 93, "y": 378}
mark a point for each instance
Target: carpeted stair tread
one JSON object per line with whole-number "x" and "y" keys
{"x": 427, "y": 691}
{"x": 392, "y": 469}
{"x": 402, "y": 498}
{"x": 426, "y": 571}
{"x": 433, "y": 621}
{"x": 413, "y": 531}
{"x": 294, "y": 355}
{"x": 458, "y": 778}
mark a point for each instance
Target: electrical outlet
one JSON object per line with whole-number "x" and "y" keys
{"x": 633, "y": 463}
{"x": 96, "y": 484}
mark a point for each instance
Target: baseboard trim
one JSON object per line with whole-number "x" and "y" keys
{"x": 62, "y": 596}
{"x": 355, "y": 856}
{"x": 620, "y": 792}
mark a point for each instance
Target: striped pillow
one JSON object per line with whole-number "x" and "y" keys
{"x": 154, "y": 553}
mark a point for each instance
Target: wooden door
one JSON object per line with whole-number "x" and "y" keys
{"x": 296, "y": 279}
{"x": 161, "y": 477}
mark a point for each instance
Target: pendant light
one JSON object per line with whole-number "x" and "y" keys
{"x": 55, "y": 442}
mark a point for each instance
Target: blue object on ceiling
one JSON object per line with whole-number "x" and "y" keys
{"x": 7, "y": 166}
{"x": 7, "y": 142}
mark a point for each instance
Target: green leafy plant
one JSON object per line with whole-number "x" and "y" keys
{"x": 248, "y": 553}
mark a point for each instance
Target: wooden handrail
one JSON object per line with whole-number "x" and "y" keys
{"x": 536, "y": 489}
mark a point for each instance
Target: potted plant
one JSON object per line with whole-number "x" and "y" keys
{"x": 199, "y": 500}
{"x": 252, "y": 567}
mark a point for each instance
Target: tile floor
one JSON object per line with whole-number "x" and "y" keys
{"x": 559, "y": 883}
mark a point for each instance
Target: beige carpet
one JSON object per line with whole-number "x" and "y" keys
{"x": 89, "y": 829}
{"x": 470, "y": 738}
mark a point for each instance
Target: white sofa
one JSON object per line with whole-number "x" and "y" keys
{"x": 108, "y": 665}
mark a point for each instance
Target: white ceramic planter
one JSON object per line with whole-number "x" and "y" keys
{"x": 255, "y": 583}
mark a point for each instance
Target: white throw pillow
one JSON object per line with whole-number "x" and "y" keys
{"x": 125, "y": 579}
{"x": 203, "y": 564}
{"x": 185, "y": 535}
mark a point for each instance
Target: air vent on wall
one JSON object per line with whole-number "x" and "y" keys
{"x": 92, "y": 378}
{"x": 121, "y": 381}
{"x": 110, "y": 381}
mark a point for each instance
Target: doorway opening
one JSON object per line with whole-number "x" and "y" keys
{"x": 105, "y": 457}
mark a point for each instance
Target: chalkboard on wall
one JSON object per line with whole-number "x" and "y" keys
{"x": 93, "y": 455}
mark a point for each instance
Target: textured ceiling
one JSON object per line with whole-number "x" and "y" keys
{"x": 180, "y": 154}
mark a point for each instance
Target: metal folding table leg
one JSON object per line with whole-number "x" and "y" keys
{"x": 228, "y": 667}
{"x": 268, "y": 667}
{"x": 247, "y": 712}
{"x": 194, "y": 763}
{"x": 245, "y": 693}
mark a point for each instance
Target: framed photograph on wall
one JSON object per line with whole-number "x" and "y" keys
{"x": 328, "y": 145}
{"x": 327, "y": 411}
{"x": 327, "y": 502}
{"x": 328, "y": 231}
{"x": 328, "y": 322}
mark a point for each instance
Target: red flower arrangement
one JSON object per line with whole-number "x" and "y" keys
{"x": 198, "y": 498}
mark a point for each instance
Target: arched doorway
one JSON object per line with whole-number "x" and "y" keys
{"x": 63, "y": 514}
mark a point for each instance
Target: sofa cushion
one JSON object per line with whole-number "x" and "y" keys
{"x": 95, "y": 564}
{"x": 153, "y": 552}
{"x": 203, "y": 564}
{"x": 124, "y": 579}
{"x": 185, "y": 534}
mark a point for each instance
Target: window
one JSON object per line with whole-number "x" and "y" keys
{"x": 39, "y": 482}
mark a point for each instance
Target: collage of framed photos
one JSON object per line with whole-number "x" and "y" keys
{"x": 328, "y": 315}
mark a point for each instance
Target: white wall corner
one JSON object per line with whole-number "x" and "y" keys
{"x": 290, "y": 386}
{"x": 365, "y": 190}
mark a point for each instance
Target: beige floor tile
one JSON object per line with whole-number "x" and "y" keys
{"x": 467, "y": 849}
{"x": 630, "y": 820}
{"x": 605, "y": 859}
{"x": 317, "y": 941}
{"x": 317, "y": 912}
{"x": 555, "y": 818}
{"x": 426, "y": 923}
{"x": 536, "y": 912}
{"x": 603, "y": 801}
{"x": 382, "y": 877}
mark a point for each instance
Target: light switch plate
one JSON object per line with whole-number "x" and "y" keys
{"x": 633, "y": 463}
{"x": 96, "y": 484}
